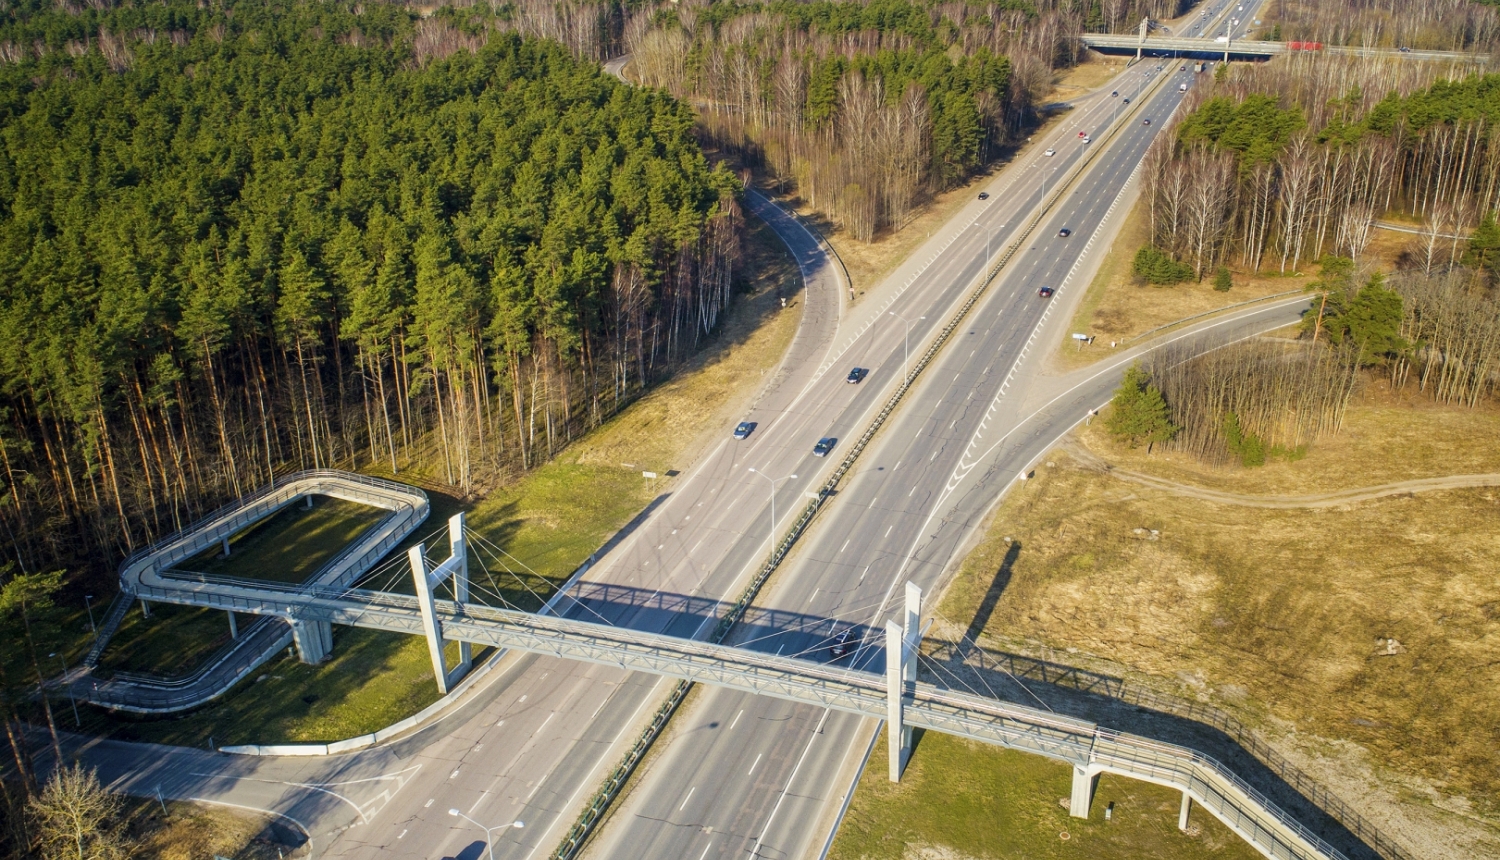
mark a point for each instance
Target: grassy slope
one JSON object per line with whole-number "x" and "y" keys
{"x": 964, "y": 799}
{"x": 551, "y": 520}
{"x": 1279, "y": 612}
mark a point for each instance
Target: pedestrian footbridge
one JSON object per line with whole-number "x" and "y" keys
{"x": 894, "y": 695}
{"x": 153, "y": 574}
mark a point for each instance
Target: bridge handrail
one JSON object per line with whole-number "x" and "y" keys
{"x": 145, "y": 679}
{"x": 274, "y": 486}
{"x": 1054, "y": 735}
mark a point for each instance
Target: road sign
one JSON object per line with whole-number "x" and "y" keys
{"x": 651, "y": 475}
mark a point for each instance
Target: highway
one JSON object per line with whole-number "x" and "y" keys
{"x": 748, "y": 776}
{"x": 540, "y": 734}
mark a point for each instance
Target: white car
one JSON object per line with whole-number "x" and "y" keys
{"x": 1049, "y": 153}
{"x": 1088, "y": 140}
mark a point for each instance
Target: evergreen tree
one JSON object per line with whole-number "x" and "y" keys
{"x": 1483, "y": 249}
{"x": 1222, "y": 280}
{"x": 1138, "y": 412}
{"x": 1156, "y": 266}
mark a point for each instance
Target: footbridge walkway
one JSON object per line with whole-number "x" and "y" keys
{"x": 1244, "y": 49}
{"x": 151, "y": 575}
{"x": 895, "y": 695}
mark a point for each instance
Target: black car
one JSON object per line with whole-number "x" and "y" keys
{"x": 744, "y": 430}
{"x": 1115, "y": 94}
{"x": 1065, "y": 232}
{"x": 1045, "y": 292}
{"x": 1145, "y": 122}
{"x": 824, "y": 446}
{"x": 984, "y": 195}
{"x": 856, "y": 375}
{"x": 843, "y": 643}
{"x": 1127, "y": 100}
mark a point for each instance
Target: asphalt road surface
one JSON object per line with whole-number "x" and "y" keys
{"x": 748, "y": 776}
{"x": 540, "y": 734}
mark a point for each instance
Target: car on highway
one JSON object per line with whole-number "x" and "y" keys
{"x": 1065, "y": 232}
{"x": 824, "y": 446}
{"x": 1045, "y": 292}
{"x": 984, "y": 195}
{"x": 1115, "y": 94}
{"x": 1083, "y": 134}
{"x": 1049, "y": 153}
{"x": 856, "y": 375}
{"x": 744, "y": 430}
{"x": 1146, "y": 121}
{"x": 843, "y": 642}
{"x": 1127, "y": 100}
{"x": 1087, "y": 141}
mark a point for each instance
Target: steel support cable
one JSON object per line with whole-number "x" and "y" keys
{"x": 974, "y": 647}
{"x": 741, "y": 643}
{"x": 541, "y": 601}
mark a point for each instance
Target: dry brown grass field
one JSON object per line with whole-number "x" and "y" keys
{"x": 1284, "y": 615}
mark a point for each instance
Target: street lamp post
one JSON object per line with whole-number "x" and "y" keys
{"x": 906, "y": 357}
{"x": 489, "y": 838}
{"x": 771, "y": 538}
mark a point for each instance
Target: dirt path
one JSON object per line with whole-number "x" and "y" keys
{"x": 1315, "y": 500}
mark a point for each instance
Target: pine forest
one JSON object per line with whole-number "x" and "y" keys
{"x": 283, "y": 236}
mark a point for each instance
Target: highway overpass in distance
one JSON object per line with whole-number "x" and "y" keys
{"x": 1248, "y": 49}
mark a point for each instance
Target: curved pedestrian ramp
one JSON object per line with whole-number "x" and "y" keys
{"x": 150, "y": 575}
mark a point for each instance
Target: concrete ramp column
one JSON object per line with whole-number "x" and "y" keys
{"x": 314, "y": 640}
{"x": 1084, "y": 781}
{"x": 1187, "y": 806}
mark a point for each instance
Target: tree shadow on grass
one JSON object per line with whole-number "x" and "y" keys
{"x": 995, "y": 591}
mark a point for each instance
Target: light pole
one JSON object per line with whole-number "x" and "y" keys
{"x": 77, "y": 723}
{"x": 906, "y": 357}
{"x": 89, "y": 605}
{"x": 771, "y": 538}
{"x": 489, "y": 839}
{"x": 989, "y": 240}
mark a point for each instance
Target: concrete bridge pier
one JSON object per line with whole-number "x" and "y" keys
{"x": 902, "y": 642}
{"x": 1085, "y": 780}
{"x": 314, "y": 640}
{"x": 234, "y": 626}
{"x": 1187, "y": 806}
{"x": 427, "y": 582}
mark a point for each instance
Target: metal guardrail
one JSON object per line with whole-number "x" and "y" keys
{"x": 408, "y": 507}
{"x": 112, "y": 618}
{"x": 144, "y": 694}
{"x": 579, "y": 833}
{"x": 1061, "y": 674}
{"x": 853, "y": 691}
